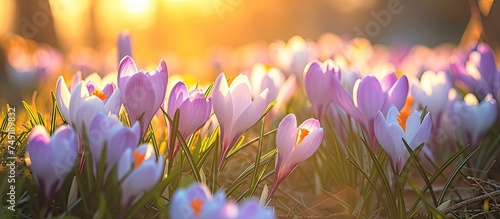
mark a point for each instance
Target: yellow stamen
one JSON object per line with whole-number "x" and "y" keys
{"x": 196, "y": 205}
{"x": 404, "y": 113}
{"x": 301, "y": 134}
{"x": 138, "y": 158}
{"x": 99, "y": 94}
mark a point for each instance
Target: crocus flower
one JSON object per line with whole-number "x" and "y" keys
{"x": 87, "y": 99}
{"x": 472, "y": 118}
{"x": 194, "y": 109}
{"x": 124, "y": 45}
{"x": 478, "y": 72}
{"x": 143, "y": 92}
{"x": 107, "y": 130}
{"x": 51, "y": 159}
{"x": 294, "y": 146}
{"x": 196, "y": 201}
{"x": 396, "y": 126}
{"x": 138, "y": 171}
{"x": 318, "y": 78}
{"x": 235, "y": 110}
{"x": 273, "y": 79}
{"x": 370, "y": 96}
{"x": 432, "y": 91}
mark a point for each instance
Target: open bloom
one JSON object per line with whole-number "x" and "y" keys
{"x": 143, "y": 92}
{"x": 235, "y": 110}
{"x": 318, "y": 79}
{"x": 194, "y": 110}
{"x": 107, "y": 130}
{"x": 432, "y": 91}
{"x": 138, "y": 171}
{"x": 196, "y": 201}
{"x": 294, "y": 145}
{"x": 391, "y": 130}
{"x": 370, "y": 96}
{"x": 51, "y": 159}
{"x": 80, "y": 106}
{"x": 472, "y": 118}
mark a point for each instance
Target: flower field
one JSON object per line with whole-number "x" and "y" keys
{"x": 336, "y": 127}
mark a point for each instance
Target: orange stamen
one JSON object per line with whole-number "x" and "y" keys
{"x": 404, "y": 113}
{"x": 138, "y": 158}
{"x": 196, "y": 205}
{"x": 99, "y": 94}
{"x": 301, "y": 134}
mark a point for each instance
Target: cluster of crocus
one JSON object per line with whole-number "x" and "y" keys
{"x": 295, "y": 145}
{"x": 51, "y": 159}
{"x": 196, "y": 201}
{"x": 369, "y": 95}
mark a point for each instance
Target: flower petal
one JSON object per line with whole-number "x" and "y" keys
{"x": 63, "y": 98}
{"x": 285, "y": 138}
{"x": 370, "y": 97}
{"x": 126, "y": 70}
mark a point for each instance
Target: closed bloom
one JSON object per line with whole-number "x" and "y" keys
{"x": 196, "y": 201}
{"x": 474, "y": 118}
{"x": 80, "y": 106}
{"x": 107, "y": 130}
{"x": 432, "y": 91}
{"x": 235, "y": 110}
{"x": 318, "y": 80}
{"x": 124, "y": 45}
{"x": 370, "y": 96}
{"x": 293, "y": 56}
{"x": 396, "y": 126}
{"x": 138, "y": 171}
{"x": 194, "y": 109}
{"x": 143, "y": 92}
{"x": 294, "y": 146}
{"x": 51, "y": 159}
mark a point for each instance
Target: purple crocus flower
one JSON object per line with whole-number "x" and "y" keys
{"x": 107, "y": 130}
{"x": 235, "y": 110}
{"x": 294, "y": 145}
{"x": 472, "y": 118}
{"x": 142, "y": 92}
{"x": 318, "y": 78}
{"x": 194, "y": 109}
{"x": 138, "y": 171}
{"x": 51, "y": 159}
{"x": 477, "y": 73}
{"x": 370, "y": 96}
{"x": 196, "y": 201}
{"x": 396, "y": 126}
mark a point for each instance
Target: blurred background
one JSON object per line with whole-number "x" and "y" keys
{"x": 201, "y": 38}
